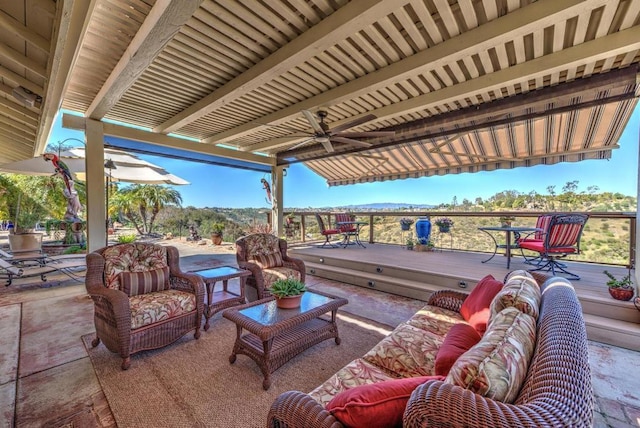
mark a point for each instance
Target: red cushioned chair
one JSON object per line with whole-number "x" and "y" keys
{"x": 561, "y": 240}
{"x": 345, "y": 228}
{"x": 538, "y": 236}
{"x": 327, "y": 233}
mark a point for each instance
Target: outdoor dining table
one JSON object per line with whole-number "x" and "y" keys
{"x": 348, "y": 234}
{"x": 508, "y": 246}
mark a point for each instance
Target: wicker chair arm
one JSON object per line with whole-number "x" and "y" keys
{"x": 297, "y": 264}
{"x": 296, "y": 409}
{"x": 447, "y": 299}
{"x": 112, "y": 304}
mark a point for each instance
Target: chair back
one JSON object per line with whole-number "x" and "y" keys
{"x": 320, "y": 223}
{"x": 343, "y": 217}
{"x": 261, "y": 248}
{"x": 134, "y": 257}
{"x": 543, "y": 224}
{"x": 565, "y": 231}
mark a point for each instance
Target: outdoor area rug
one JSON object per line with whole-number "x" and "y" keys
{"x": 192, "y": 384}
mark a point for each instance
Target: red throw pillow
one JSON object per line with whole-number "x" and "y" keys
{"x": 379, "y": 404}
{"x": 475, "y": 308}
{"x": 458, "y": 340}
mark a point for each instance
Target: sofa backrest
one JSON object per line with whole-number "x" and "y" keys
{"x": 135, "y": 257}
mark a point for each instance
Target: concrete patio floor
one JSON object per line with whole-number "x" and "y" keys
{"x": 47, "y": 380}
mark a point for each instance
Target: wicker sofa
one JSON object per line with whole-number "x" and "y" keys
{"x": 556, "y": 388}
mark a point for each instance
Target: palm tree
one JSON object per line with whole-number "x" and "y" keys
{"x": 141, "y": 204}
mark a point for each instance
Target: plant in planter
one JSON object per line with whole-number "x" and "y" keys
{"x": 505, "y": 221}
{"x": 288, "y": 292}
{"x": 290, "y": 217}
{"x": 216, "y": 233}
{"x": 444, "y": 224}
{"x": 424, "y": 244}
{"x": 410, "y": 243}
{"x": 405, "y": 223}
{"x": 620, "y": 289}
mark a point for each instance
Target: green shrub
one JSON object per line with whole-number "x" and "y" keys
{"x": 287, "y": 287}
{"x": 127, "y": 239}
{"x": 75, "y": 249}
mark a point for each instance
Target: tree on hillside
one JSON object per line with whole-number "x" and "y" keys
{"x": 141, "y": 203}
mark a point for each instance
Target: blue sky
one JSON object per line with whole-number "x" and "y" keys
{"x": 213, "y": 186}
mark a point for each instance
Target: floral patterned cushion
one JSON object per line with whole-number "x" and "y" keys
{"x": 521, "y": 292}
{"x": 357, "y": 372}
{"x": 408, "y": 351}
{"x": 435, "y": 319}
{"x": 136, "y": 257}
{"x": 134, "y": 283}
{"x": 161, "y": 305}
{"x": 263, "y": 249}
{"x": 497, "y": 366}
{"x": 272, "y": 275}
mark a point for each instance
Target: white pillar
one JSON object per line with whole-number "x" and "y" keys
{"x": 94, "y": 164}
{"x": 635, "y": 247}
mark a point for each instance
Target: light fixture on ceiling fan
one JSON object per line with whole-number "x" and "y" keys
{"x": 325, "y": 136}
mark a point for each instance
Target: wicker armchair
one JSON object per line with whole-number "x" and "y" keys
{"x": 142, "y": 300}
{"x": 265, "y": 256}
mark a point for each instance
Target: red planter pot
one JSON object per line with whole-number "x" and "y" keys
{"x": 621, "y": 293}
{"x": 289, "y": 302}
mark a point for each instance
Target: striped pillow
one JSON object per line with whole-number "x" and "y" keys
{"x": 135, "y": 283}
{"x": 266, "y": 261}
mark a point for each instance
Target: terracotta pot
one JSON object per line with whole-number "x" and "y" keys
{"x": 216, "y": 238}
{"x": 289, "y": 302}
{"x": 621, "y": 293}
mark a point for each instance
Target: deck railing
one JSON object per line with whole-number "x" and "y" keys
{"x": 608, "y": 237}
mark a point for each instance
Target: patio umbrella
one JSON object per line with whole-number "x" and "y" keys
{"x": 128, "y": 168}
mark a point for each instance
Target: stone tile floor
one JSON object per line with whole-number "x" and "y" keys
{"x": 47, "y": 380}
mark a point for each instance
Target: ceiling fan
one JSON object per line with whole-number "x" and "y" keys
{"x": 325, "y": 136}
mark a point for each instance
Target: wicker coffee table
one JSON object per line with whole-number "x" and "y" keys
{"x": 273, "y": 336}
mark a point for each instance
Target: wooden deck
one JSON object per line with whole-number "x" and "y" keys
{"x": 393, "y": 269}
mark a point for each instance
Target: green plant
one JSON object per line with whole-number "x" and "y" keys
{"x": 624, "y": 282}
{"x": 410, "y": 242}
{"x": 75, "y": 249}
{"x": 217, "y": 228}
{"x": 427, "y": 242}
{"x": 127, "y": 239}
{"x": 444, "y": 222}
{"x": 287, "y": 287}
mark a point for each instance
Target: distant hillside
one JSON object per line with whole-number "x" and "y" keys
{"x": 383, "y": 206}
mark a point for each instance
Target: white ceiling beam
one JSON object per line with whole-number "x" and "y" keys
{"x": 128, "y": 133}
{"x": 15, "y": 27}
{"x": 327, "y": 33}
{"x": 22, "y": 60}
{"x": 25, "y": 83}
{"x": 517, "y": 24}
{"x": 73, "y": 17}
{"x": 164, "y": 20}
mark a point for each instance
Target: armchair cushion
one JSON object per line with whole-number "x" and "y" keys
{"x": 379, "y": 404}
{"x": 497, "y": 366}
{"x": 150, "y": 308}
{"x": 475, "y": 308}
{"x": 272, "y": 275}
{"x": 134, "y": 283}
{"x": 136, "y": 257}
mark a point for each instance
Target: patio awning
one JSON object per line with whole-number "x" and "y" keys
{"x": 550, "y": 132}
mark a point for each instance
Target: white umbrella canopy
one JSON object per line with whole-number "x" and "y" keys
{"x": 128, "y": 168}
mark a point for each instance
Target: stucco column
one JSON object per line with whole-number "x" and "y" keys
{"x": 276, "y": 193}
{"x": 94, "y": 164}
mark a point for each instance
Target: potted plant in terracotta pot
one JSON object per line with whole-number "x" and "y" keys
{"x": 620, "y": 289}
{"x": 216, "y": 233}
{"x": 288, "y": 292}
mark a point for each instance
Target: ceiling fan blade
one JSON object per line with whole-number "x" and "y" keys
{"x": 313, "y": 122}
{"x": 301, "y": 143}
{"x": 350, "y": 141}
{"x": 360, "y": 121}
{"x": 365, "y": 134}
{"x": 326, "y": 144}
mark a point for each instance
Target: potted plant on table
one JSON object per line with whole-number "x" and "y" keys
{"x": 505, "y": 221}
{"x": 444, "y": 224}
{"x": 288, "y": 292}
{"x": 410, "y": 243}
{"x": 424, "y": 244}
{"x": 620, "y": 289}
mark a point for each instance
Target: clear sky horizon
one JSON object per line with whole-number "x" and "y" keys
{"x": 215, "y": 186}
